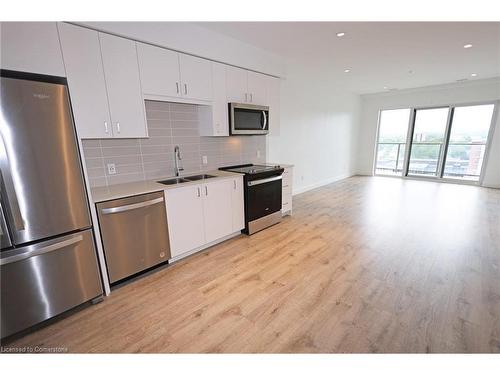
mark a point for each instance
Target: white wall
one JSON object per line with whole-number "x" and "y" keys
{"x": 197, "y": 40}
{"x": 467, "y": 92}
{"x": 318, "y": 132}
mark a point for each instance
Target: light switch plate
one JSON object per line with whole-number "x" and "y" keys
{"x": 111, "y": 168}
{"x": 205, "y": 160}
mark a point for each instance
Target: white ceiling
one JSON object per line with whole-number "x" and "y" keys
{"x": 379, "y": 53}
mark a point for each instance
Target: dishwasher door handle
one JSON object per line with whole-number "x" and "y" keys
{"x": 133, "y": 206}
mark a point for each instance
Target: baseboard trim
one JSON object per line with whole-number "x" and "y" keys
{"x": 322, "y": 183}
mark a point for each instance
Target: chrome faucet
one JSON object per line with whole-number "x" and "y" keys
{"x": 177, "y": 159}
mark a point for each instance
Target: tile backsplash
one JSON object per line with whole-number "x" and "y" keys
{"x": 169, "y": 124}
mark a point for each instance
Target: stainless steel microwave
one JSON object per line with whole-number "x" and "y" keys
{"x": 248, "y": 119}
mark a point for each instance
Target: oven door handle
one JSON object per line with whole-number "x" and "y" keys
{"x": 264, "y": 123}
{"x": 264, "y": 180}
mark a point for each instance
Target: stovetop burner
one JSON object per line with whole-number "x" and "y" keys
{"x": 251, "y": 168}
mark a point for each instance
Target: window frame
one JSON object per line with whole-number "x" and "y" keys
{"x": 444, "y": 152}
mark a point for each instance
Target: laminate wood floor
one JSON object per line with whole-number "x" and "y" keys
{"x": 368, "y": 264}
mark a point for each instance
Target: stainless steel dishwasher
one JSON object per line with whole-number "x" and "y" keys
{"x": 134, "y": 233}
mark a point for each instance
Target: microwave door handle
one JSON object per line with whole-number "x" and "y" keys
{"x": 264, "y": 123}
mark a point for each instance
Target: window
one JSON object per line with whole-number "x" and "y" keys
{"x": 446, "y": 142}
{"x": 467, "y": 144}
{"x": 427, "y": 142}
{"x": 391, "y": 146}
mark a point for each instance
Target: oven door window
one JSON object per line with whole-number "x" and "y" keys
{"x": 263, "y": 199}
{"x": 249, "y": 119}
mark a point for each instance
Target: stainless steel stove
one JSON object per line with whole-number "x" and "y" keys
{"x": 262, "y": 195}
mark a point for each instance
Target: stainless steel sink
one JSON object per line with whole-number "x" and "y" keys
{"x": 199, "y": 177}
{"x": 173, "y": 181}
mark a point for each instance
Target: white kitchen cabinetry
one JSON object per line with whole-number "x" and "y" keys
{"x": 201, "y": 214}
{"x": 215, "y": 122}
{"x": 104, "y": 84}
{"x": 217, "y": 209}
{"x": 238, "y": 204}
{"x": 172, "y": 74}
{"x": 286, "y": 196}
{"x": 31, "y": 47}
{"x": 121, "y": 71}
{"x": 236, "y": 85}
{"x": 257, "y": 88}
{"x": 85, "y": 74}
{"x": 159, "y": 68}
{"x": 186, "y": 226}
{"x": 245, "y": 86}
{"x": 273, "y": 101}
{"x": 196, "y": 77}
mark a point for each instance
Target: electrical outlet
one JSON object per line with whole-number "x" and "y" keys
{"x": 258, "y": 153}
{"x": 111, "y": 168}
{"x": 205, "y": 160}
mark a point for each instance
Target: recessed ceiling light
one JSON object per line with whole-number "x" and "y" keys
{"x": 467, "y": 46}
{"x": 473, "y": 75}
{"x": 385, "y": 87}
{"x": 347, "y": 70}
{"x": 341, "y": 34}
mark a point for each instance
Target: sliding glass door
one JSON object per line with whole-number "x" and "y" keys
{"x": 444, "y": 143}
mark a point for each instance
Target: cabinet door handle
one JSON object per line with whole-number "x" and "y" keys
{"x": 206, "y": 190}
{"x": 234, "y": 182}
{"x": 199, "y": 194}
{"x": 185, "y": 89}
{"x": 251, "y": 98}
{"x": 106, "y": 130}
{"x": 246, "y": 97}
{"x": 177, "y": 86}
{"x": 118, "y": 127}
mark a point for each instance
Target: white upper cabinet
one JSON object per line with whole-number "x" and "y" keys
{"x": 273, "y": 101}
{"x": 257, "y": 88}
{"x": 217, "y": 209}
{"x": 236, "y": 85}
{"x": 196, "y": 77}
{"x": 121, "y": 71}
{"x": 159, "y": 69}
{"x": 216, "y": 123}
{"x": 31, "y": 47}
{"x": 245, "y": 86}
{"x": 85, "y": 74}
{"x": 238, "y": 204}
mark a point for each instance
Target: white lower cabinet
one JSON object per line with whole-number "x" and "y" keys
{"x": 238, "y": 203}
{"x": 286, "y": 193}
{"x": 186, "y": 226}
{"x": 217, "y": 210}
{"x": 200, "y": 214}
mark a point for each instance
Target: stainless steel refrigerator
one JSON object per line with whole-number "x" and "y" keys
{"x": 48, "y": 262}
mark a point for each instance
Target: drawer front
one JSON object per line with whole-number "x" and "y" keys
{"x": 286, "y": 206}
{"x": 50, "y": 278}
{"x": 286, "y": 191}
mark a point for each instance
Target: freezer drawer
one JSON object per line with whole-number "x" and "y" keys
{"x": 43, "y": 280}
{"x": 134, "y": 233}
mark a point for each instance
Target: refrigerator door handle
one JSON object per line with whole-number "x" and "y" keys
{"x": 23, "y": 254}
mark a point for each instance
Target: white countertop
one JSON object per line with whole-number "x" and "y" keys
{"x": 106, "y": 193}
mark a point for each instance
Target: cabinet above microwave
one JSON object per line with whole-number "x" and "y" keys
{"x": 248, "y": 119}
